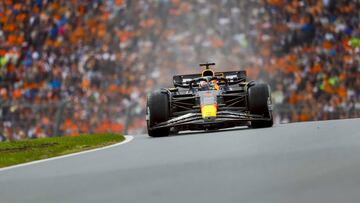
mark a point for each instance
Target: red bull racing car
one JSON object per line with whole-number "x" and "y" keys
{"x": 208, "y": 101}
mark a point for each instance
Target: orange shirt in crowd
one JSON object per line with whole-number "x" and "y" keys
{"x": 17, "y": 93}
{"x": 304, "y": 117}
{"x": 275, "y": 2}
{"x": 71, "y": 127}
{"x": 316, "y": 69}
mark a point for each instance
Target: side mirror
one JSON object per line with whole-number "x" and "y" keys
{"x": 177, "y": 81}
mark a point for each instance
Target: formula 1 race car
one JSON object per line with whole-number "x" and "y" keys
{"x": 208, "y": 101}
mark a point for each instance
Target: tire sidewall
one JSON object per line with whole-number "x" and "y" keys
{"x": 157, "y": 111}
{"x": 259, "y": 103}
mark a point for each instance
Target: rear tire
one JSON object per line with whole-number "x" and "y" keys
{"x": 259, "y": 99}
{"x": 157, "y": 112}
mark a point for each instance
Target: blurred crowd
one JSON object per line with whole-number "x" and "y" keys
{"x": 70, "y": 67}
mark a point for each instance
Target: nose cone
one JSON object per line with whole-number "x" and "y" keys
{"x": 208, "y": 112}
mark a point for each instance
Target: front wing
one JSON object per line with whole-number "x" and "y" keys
{"x": 222, "y": 117}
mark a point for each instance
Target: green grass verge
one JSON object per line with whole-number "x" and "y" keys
{"x": 17, "y": 152}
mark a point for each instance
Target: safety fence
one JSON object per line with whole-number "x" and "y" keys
{"x": 285, "y": 113}
{"x": 19, "y": 120}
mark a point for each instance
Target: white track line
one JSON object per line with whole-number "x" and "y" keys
{"x": 128, "y": 138}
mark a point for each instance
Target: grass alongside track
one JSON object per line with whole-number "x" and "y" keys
{"x": 12, "y": 153}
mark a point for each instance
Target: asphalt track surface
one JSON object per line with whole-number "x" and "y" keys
{"x": 311, "y": 162}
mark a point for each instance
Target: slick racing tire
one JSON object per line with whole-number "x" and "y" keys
{"x": 157, "y": 111}
{"x": 259, "y": 100}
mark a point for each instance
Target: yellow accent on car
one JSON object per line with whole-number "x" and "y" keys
{"x": 208, "y": 111}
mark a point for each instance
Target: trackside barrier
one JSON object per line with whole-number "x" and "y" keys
{"x": 19, "y": 120}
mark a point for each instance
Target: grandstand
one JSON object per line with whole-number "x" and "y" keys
{"x": 69, "y": 67}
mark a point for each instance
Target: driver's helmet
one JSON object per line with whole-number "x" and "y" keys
{"x": 203, "y": 85}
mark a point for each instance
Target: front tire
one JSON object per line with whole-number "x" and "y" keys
{"x": 259, "y": 99}
{"x": 157, "y": 112}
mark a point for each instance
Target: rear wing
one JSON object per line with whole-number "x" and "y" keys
{"x": 231, "y": 76}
